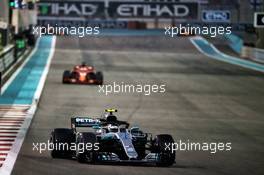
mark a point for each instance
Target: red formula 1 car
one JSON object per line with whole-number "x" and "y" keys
{"x": 82, "y": 74}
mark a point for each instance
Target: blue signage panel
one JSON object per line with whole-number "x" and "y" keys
{"x": 216, "y": 16}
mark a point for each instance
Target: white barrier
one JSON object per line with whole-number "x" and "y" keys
{"x": 253, "y": 54}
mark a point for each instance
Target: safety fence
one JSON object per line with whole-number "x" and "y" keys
{"x": 7, "y": 58}
{"x": 11, "y": 53}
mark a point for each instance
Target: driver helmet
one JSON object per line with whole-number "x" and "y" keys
{"x": 83, "y": 64}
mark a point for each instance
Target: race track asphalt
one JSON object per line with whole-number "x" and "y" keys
{"x": 205, "y": 101}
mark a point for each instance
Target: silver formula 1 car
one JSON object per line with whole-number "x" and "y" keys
{"x": 110, "y": 140}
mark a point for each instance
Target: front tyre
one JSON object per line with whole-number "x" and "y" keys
{"x": 81, "y": 157}
{"x": 66, "y": 76}
{"x": 166, "y": 157}
{"x": 82, "y": 154}
{"x": 99, "y": 78}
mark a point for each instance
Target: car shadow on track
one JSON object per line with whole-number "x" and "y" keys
{"x": 175, "y": 165}
{"x": 46, "y": 159}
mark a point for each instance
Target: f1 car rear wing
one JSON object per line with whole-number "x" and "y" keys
{"x": 84, "y": 122}
{"x": 92, "y": 122}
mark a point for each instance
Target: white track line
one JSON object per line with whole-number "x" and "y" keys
{"x": 9, "y": 124}
{"x": 6, "y": 142}
{"x": 8, "y": 165}
{"x": 21, "y": 113}
{"x": 1, "y": 147}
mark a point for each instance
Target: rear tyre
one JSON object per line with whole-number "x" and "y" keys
{"x": 166, "y": 157}
{"x": 81, "y": 158}
{"x": 64, "y": 136}
{"x": 100, "y": 78}
{"x": 66, "y": 76}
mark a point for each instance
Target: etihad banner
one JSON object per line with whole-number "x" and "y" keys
{"x": 132, "y": 10}
{"x": 74, "y": 9}
{"x": 148, "y": 10}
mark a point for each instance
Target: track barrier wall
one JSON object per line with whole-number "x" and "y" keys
{"x": 253, "y": 54}
{"x": 235, "y": 43}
